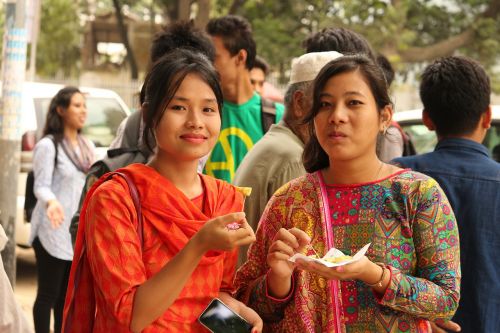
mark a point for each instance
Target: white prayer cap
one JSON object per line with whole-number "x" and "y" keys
{"x": 307, "y": 66}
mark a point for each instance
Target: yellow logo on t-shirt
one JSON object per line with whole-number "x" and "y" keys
{"x": 229, "y": 164}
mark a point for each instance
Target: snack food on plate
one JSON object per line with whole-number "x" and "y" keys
{"x": 333, "y": 258}
{"x": 337, "y": 260}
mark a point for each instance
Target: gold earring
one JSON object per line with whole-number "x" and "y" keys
{"x": 384, "y": 130}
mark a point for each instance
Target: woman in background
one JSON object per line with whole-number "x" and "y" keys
{"x": 60, "y": 161}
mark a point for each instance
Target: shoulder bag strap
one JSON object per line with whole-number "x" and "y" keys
{"x": 53, "y": 139}
{"x": 134, "y": 193}
{"x": 69, "y": 320}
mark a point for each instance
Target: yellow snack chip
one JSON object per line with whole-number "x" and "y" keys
{"x": 246, "y": 191}
{"x": 336, "y": 260}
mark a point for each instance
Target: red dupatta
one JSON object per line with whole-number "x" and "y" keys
{"x": 174, "y": 216}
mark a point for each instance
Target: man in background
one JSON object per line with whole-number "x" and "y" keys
{"x": 246, "y": 116}
{"x": 455, "y": 92}
{"x": 258, "y": 75}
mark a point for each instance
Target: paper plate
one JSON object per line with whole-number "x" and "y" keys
{"x": 333, "y": 253}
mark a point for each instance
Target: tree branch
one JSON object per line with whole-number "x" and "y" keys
{"x": 440, "y": 49}
{"x": 447, "y": 46}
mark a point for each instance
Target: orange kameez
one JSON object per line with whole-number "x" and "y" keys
{"x": 116, "y": 264}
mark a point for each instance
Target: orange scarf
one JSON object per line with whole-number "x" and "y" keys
{"x": 167, "y": 211}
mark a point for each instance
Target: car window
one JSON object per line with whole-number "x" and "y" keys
{"x": 425, "y": 140}
{"x": 492, "y": 141}
{"x": 104, "y": 117}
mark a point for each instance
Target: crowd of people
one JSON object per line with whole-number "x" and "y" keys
{"x": 169, "y": 224}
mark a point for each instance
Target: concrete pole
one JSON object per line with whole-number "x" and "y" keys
{"x": 13, "y": 73}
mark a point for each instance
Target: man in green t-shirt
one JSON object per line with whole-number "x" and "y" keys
{"x": 242, "y": 114}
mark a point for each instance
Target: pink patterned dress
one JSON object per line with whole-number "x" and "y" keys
{"x": 408, "y": 221}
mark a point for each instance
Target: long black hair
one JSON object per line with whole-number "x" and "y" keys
{"x": 54, "y": 124}
{"x": 164, "y": 79}
{"x": 314, "y": 157}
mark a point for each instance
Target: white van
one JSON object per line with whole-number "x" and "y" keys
{"x": 105, "y": 112}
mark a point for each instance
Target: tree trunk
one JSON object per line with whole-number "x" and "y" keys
{"x": 183, "y": 10}
{"x": 235, "y": 6}
{"x": 283, "y": 76}
{"x": 152, "y": 22}
{"x": 492, "y": 10}
{"x": 203, "y": 15}
{"x": 169, "y": 9}
{"x": 134, "y": 73}
{"x": 173, "y": 10}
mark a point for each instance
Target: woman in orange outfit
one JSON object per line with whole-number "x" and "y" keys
{"x": 188, "y": 254}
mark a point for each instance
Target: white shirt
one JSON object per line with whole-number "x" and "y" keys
{"x": 65, "y": 184}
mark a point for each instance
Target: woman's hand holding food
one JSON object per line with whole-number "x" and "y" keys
{"x": 364, "y": 270}
{"x": 217, "y": 235}
{"x": 347, "y": 272}
{"x": 285, "y": 244}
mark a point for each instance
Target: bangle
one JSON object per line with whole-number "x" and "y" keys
{"x": 379, "y": 282}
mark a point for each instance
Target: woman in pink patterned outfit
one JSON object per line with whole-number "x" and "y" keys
{"x": 411, "y": 272}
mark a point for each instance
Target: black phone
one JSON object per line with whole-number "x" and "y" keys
{"x": 219, "y": 318}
